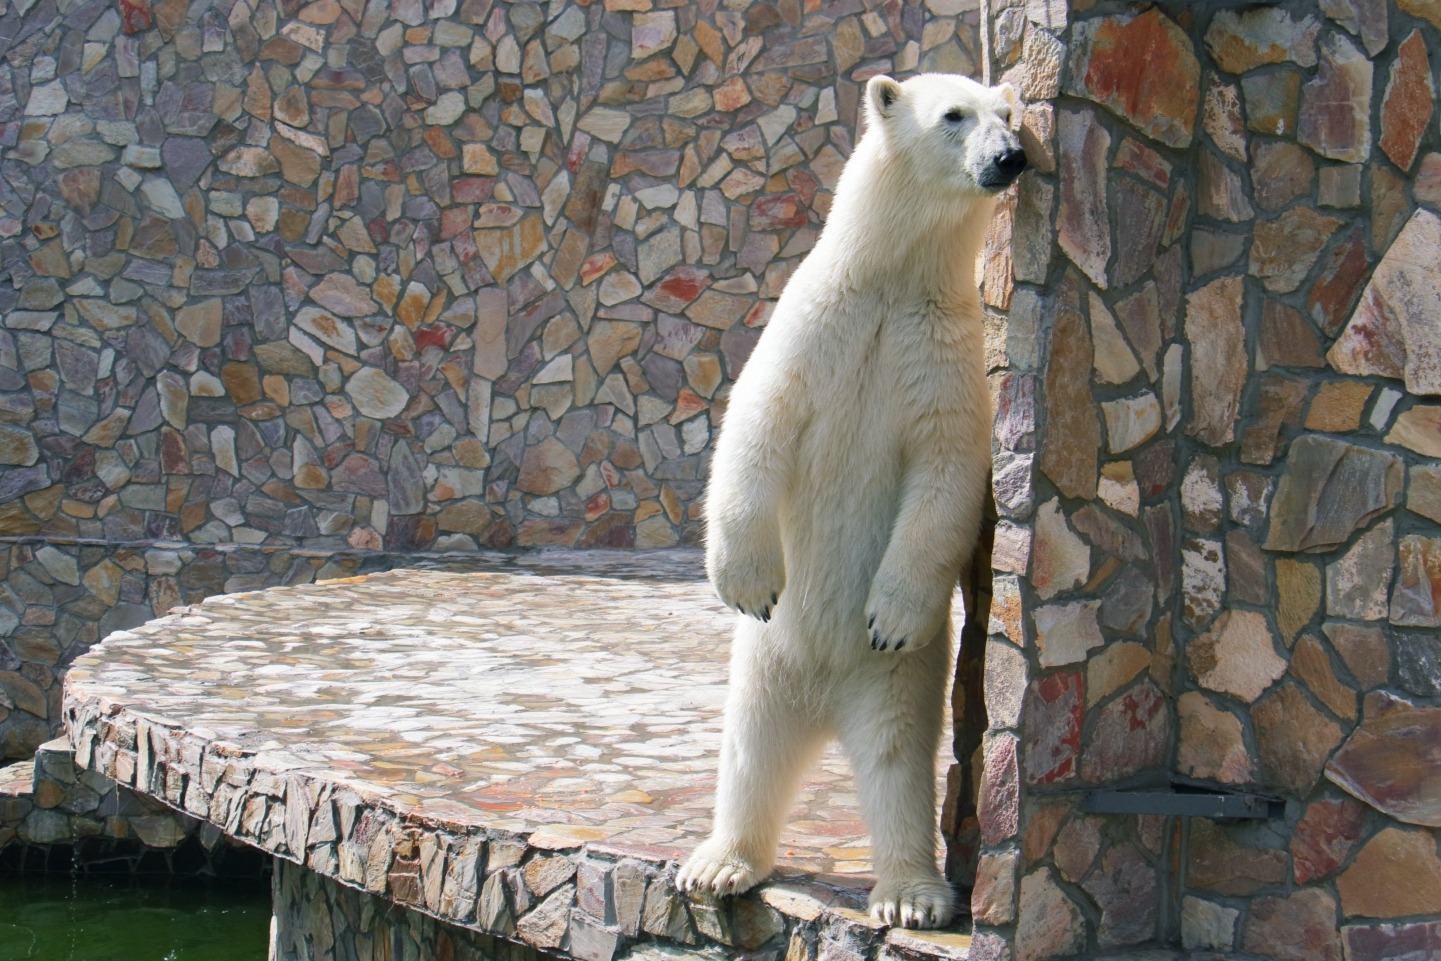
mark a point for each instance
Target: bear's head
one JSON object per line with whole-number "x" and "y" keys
{"x": 950, "y": 129}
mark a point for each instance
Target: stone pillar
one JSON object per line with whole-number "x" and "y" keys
{"x": 1084, "y": 280}
{"x": 1218, "y": 504}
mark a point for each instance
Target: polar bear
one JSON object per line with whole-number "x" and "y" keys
{"x": 846, "y": 492}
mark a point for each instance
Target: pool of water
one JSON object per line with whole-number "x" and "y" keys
{"x": 50, "y": 918}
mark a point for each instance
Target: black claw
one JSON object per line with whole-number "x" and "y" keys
{"x": 874, "y": 640}
{"x": 741, "y": 609}
{"x": 871, "y": 621}
{"x": 775, "y": 596}
{"x": 900, "y": 644}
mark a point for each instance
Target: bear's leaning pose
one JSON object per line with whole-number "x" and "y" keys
{"x": 846, "y": 492}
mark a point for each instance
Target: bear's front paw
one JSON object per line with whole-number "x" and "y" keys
{"x": 748, "y": 574}
{"x": 899, "y": 617}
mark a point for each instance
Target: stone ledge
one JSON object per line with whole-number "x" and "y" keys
{"x": 520, "y": 745}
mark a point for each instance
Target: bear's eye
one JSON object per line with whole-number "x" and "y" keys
{"x": 954, "y": 115}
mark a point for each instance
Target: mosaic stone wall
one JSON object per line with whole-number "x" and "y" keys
{"x": 314, "y": 918}
{"x": 56, "y": 818}
{"x": 1216, "y": 474}
{"x": 393, "y": 276}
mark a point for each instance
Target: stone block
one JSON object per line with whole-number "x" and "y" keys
{"x": 1396, "y": 874}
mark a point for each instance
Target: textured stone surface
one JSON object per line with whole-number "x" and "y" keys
{"x": 1049, "y": 924}
{"x": 1073, "y": 437}
{"x": 1239, "y": 41}
{"x": 1380, "y": 942}
{"x": 1408, "y": 102}
{"x": 1391, "y": 762}
{"x": 1062, "y": 559}
{"x": 1330, "y": 489}
{"x": 1299, "y": 927}
{"x": 1143, "y": 68}
{"x": 1324, "y": 837}
{"x": 1335, "y": 117}
{"x": 1207, "y": 925}
{"x": 1394, "y": 332}
{"x": 1416, "y": 597}
{"x": 1294, "y": 740}
{"x": 1124, "y": 889}
{"x": 1083, "y": 224}
{"x": 1237, "y": 656}
{"x": 1129, "y": 734}
{"x": 1418, "y": 429}
{"x": 1220, "y": 862}
{"x": 1219, "y": 368}
{"x": 489, "y": 662}
{"x": 1212, "y": 744}
{"x": 1053, "y": 736}
{"x": 1283, "y": 249}
{"x": 1358, "y": 580}
{"x": 1395, "y": 874}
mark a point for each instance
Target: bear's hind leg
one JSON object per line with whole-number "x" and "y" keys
{"x": 890, "y": 725}
{"x": 768, "y": 744}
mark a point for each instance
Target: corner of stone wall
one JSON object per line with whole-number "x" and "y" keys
{"x": 1084, "y": 281}
{"x": 1215, "y": 561}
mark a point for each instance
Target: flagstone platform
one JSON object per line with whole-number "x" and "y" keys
{"x": 518, "y": 745}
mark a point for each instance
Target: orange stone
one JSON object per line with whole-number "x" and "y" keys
{"x": 1409, "y": 102}
{"x": 1144, "y": 69}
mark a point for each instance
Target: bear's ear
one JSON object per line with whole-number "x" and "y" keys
{"x": 882, "y": 93}
{"x": 1009, "y": 95}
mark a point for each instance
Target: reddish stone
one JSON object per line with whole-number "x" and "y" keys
{"x": 1335, "y": 118}
{"x": 473, "y": 190}
{"x": 1053, "y": 713}
{"x": 434, "y": 335}
{"x": 1409, "y": 102}
{"x": 1324, "y": 837}
{"x": 1300, "y": 927}
{"x": 1393, "y": 761}
{"x": 1073, "y": 434}
{"x": 1083, "y": 224}
{"x": 135, "y": 15}
{"x": 677, "y": 290}
{"x": 778, "y": 212}
{"x": 1125, "y": 890}
{"x": 998, "y": 804}
{"x": 1128, "y": 735}
{"x": 1334, "y": 293}
{"x": 174, "y": 458}
{"x": 1393, "y": 942}
{"x": 1143, "y": 68}
{"x": 81, "y": 188}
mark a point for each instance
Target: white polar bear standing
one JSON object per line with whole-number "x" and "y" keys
{"x": 846, "y": 493}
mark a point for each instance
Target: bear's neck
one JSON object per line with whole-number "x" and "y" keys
{"x": 887, "y": 229}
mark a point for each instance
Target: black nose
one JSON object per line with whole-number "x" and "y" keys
{"x": 1012, "y": 162}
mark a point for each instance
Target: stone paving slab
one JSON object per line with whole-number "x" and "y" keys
{"x": 521, "y": 744}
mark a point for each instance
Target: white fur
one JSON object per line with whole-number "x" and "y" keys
{"x": 846, "y": 487}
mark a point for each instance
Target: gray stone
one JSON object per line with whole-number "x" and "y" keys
{"x": 1330, "y": 489}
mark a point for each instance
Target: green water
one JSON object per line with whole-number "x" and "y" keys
{"x": 49, "y": 918}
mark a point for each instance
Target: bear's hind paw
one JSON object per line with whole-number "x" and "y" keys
{"x": 914, "y": 903}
